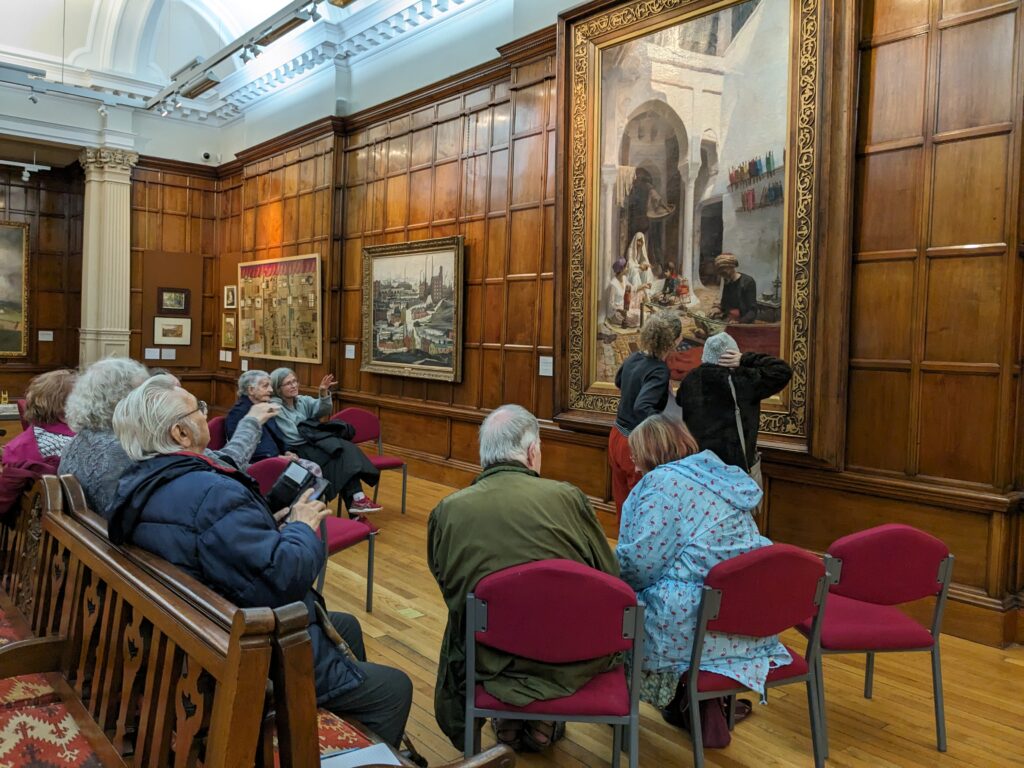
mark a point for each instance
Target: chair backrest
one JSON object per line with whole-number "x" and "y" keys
{"x": 366, "y": 424}
{"x": 765, "y": 591}
{"x": 218, "y": 433}
{"x": 890, "y": 564}
{"x": 21, "y": 413}
{"x": 266, "y": 471}
{"x": 554, "y": 611}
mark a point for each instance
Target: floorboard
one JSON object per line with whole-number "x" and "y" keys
{"x": 984, "y": 686}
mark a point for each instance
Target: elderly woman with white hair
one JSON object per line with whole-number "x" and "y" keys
{"x": 721, "y": 400}
{"x": 95, "y": 456}
{"x": 327, "y": 445}
{"x": 210, "y": 520}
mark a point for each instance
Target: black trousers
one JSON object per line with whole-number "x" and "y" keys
{"x": 383, "y": 700}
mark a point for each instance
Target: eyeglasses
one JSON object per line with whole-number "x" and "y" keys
{"x": 200, "y": 407}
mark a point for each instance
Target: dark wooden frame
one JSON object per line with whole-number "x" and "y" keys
{"x": 369, "y": 365}
{"x": 162, "y": 309}
{"x": 23, "y": 350}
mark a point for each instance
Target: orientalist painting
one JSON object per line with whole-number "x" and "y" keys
{"x": 13, "y": 289}
{"x": 412, "y": 309}
{"x": 681, "y": 201}
{"x": 279, "y": 309}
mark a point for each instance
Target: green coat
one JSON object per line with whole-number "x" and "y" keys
{"x": 509, "y": 516}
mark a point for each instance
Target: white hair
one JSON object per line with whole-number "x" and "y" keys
{"x": 143, "y": 420}
{"x": 248, "y": 380}
{"x": 99, "y": 389}
{"x": 506, "y": 435}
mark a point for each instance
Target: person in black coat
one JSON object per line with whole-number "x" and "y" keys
{"x": 212, "y": 522}
{"x": 643, "y": 381}
{"x": 254, "y": 387}
{"x": 707, "y": 400}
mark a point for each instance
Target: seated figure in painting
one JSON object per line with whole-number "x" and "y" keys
{"x": 37, "y": 450}
{"x": 689, "y": 512}
{"x": 96, "y": 457}
{"x": 738, "y": 303}
{"x": 211, "y": 521}
{"x": 508, "y": 516}
{"x": 326, "y": 444}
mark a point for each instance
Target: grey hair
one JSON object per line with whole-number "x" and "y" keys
{"x": 143, "y": 420}
{"x": 98, "y": 391}
{"x": 717, "y": 345}
{"x": 248, "y": 380}
{"x": 277, "y": 377}
{"x": 506, "y": 435}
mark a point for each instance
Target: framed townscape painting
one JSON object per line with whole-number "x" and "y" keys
{"x": 690, "y": 180}
{"x": 412, "y": 309}
{"x": 172, "y": 331}
{"x": 279, "y": 309}
{"x": 13, "y": 289}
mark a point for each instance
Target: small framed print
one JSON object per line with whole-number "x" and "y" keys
{"x": 173, "y": 301}
{"x": 228, "y": 331}
{"x": 172, "y": 331}
{"x": 230, "y": 297}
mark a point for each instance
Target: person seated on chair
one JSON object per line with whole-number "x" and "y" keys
{"x": 738, "y": 302}
{"x": 36, "y": 451}
{"x": 689, "y": 512}
{"x": 95, "y": 456}
{"x": 328, "y": 444}
{"x": 509, "y": 516}
{"x": 710, "y": 406}
{"x": 210, "y": 520}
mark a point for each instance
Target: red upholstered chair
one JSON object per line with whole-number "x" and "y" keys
{"x": 21, "y": 414}
{"x": 218, "y": 437}
{"x": 335, "y": 532}
{"x": 558, "y": 611}
{"x": 883, "y": 567}
{"x": 758, "y": 594}
{"x": 367, "y": 427}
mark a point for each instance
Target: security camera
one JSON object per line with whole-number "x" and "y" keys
{"x": 206, "y": 156}
{"x": 25, "y": 175}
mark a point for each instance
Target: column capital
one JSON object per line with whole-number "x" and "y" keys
{"x": 107, "y": 159}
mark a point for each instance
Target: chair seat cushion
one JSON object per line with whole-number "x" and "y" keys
{"x": 853, "y": 625}
{"x": 606, "y": 694}
{"x": 334, "y": 735}
{"x": 25, "y": 690}
{"x": 45, "y": 735}
{"x": 343, "y": 533}
{"x": 711, "y": 681}
{"x": 387, "y": 462}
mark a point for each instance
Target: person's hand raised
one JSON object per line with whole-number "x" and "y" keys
{"x": 327, "y": 382}
{"x": 730, "y": 358}
{"x": 264, "y": 412}
{"x": 308, "y": 511}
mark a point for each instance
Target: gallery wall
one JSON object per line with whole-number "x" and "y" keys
{"x": 50, "y": 202}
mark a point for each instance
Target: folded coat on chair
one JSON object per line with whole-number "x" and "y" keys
{"x": 328, "y": 443}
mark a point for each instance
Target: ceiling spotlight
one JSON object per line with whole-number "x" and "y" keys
{"x": 25, "y": 175}
{"x": 314, "y": 14}
{"x": 177, "y": 102}
{"x": 163, "y": 109}
{"x": 245, "y": 55}
{"x": 256, "y": 50}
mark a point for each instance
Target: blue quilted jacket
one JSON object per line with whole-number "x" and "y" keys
{"x": 212, "y": 522}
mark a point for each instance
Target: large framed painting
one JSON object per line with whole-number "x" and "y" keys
{"x": 279, "y": 309}
{"x": 412, "y": 309}
{"x": 13, "y": 289}
{"x": 690, "y": 183}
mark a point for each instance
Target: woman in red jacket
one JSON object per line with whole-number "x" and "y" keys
{"x": 36, "y": 451}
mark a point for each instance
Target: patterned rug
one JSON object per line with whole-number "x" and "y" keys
{"x": 43, "y": 737}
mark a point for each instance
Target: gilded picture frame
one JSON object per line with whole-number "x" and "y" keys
{"x": 14, "y": 278}
{"x": 785, "y": 175}
{"x": 412, "y": 309}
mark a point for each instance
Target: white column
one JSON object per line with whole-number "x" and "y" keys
{"x": 106, "y": 254}
{"x": 689, "y": 180}
{"x": 609, "y": 179}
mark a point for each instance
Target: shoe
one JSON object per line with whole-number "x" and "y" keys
{"x": 364, "y": 505}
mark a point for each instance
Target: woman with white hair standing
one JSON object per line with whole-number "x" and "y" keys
{"x": 95, "y": 456}
{"x": 721, "y": 400}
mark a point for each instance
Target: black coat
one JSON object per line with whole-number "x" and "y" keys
{"x": 272, "y": 442}
{"x": 708, "y": 408}
{"x": 328, "y": 443}
{"x": 643, "y": 381}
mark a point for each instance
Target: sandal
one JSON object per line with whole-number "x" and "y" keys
{"x": 538, "y": 735}
{"x": 508, "y": 732}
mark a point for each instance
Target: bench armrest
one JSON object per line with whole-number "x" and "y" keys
{"x": 36, "y": 654}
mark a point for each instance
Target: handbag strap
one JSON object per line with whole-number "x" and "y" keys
{"x": 739, "y": 423}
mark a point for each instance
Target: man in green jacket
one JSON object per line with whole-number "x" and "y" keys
{"x": 509, "y": 516}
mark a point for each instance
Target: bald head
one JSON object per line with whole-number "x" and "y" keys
{"x": 509, "y": 433}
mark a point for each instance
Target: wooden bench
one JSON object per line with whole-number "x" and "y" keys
{"x": 19, "y": 550}
{"x": 295, "y": 732}
{"x": 141, "y": 675}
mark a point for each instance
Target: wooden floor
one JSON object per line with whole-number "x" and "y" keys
{"x": 984, "y": 686}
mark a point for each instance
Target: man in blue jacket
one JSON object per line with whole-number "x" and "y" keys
{"x": 212, "y": 522}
